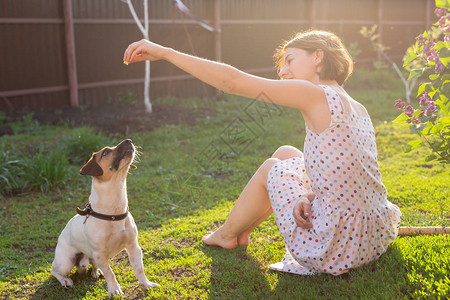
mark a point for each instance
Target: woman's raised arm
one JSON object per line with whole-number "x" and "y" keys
{"x": 293, "y": 93}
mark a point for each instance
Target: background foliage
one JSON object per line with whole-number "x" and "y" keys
{"x": 429, "y": 59}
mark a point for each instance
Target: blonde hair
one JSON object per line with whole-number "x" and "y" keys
{"x": 336, "y": 63}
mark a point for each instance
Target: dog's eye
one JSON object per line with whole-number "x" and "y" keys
{"x": 106, "y": 152}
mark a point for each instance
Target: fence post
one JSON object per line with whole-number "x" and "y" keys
{"x": 427, "y": 14}
{"x": 312, "y": 20}
{"x": 217, "y": 34}
{"x": 380, "y": 26}
{"x": 70, "y": 52}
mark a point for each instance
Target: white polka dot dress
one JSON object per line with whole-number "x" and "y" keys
{"x": 353, "y": 222}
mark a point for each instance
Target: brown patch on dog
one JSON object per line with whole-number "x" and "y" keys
{"x": 92, "y": 168}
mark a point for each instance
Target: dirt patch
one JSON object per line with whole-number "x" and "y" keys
{"x": 117, "y": 117}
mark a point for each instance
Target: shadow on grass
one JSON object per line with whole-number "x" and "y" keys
{"x": 82, "y": 285}
{"x": 235, "y": 274}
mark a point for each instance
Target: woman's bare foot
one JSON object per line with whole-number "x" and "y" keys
{"x": 217, "y": 238}
{"x": 243, "y": 239}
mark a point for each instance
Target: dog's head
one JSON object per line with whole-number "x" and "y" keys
{"x": 107, "y": 162}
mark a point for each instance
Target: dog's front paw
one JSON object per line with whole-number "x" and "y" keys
{"x": 96, "y": 273}
{"x": 115, "y": 292}
{"x": 148, "y": 284}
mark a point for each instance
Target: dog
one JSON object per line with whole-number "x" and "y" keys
{"x": 105, "y": 226}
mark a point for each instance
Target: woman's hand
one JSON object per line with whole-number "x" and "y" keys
{"x": 144, "y": 50}
{"x": 302, "y": 211}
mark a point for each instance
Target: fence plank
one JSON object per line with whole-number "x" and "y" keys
{"x": 70, "y": 52}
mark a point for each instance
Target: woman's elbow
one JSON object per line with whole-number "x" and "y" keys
{"x": 229, "y": 85}
{"x": 232, "y": 82}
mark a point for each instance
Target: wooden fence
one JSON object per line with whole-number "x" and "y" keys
{"x": 56, "y": 53}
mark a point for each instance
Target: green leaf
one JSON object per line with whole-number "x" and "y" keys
{"x": 444, "y": 55}
{"x": 401, "y": 118}
{"x": 444, "y": 120}
{"x": 436, "y": 128}
{"x": 422, "y": 88}
{"x": 413, "y": 145}
{"x": 417, "y": 129}
{"x": 415, "y": 73}
{"x": 444, "y": 104}
{"x": 417, "y": 112}
{"x": 444, "y": 83}
{"x": 430, "y": 157}
{"x": 410, "y": 57}
{"x": 441, "y": 44}
{"x": 443, "y": 3}
{"x": 433, "y": 76}
{"x": 426, "y": 130}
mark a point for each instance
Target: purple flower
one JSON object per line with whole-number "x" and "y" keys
{"x": 443, "y": 24}
{"x": 421, "y": 40}
{"x": 399, "y": 104}
{"x": 431, "y": 108}
{"x": 416, "y": 121}
{"x": 429, "y": 46}
{"x": 440, "y": 12}
{"x": 424, "y": 99}
{"x": 447, "y": 38}
{"x": 431, "y": 54}
{"x": 439, "y": 67}
{"x": 409, "y": 111}
{"x": 419, "y": 117}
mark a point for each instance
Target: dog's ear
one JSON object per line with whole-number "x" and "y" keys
{"x": 91, "y": 168}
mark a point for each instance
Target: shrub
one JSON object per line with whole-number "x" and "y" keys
{"x": 79, "y": 146}
{"x": 26, "y": 125}
{"x": 430, "y": 57}
{"x": 12, "y": 175}
{"x": 47, "y": 170}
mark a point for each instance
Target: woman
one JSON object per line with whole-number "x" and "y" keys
{"x": 329, "y": 203}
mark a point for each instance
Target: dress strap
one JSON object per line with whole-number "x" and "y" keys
{"x": 334, "y": 102}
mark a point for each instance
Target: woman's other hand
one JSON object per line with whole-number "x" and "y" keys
{"x": 144, "y": 50}
{"x": 302, "y": 211}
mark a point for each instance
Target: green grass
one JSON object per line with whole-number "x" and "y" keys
{"x": 174, "y": 201}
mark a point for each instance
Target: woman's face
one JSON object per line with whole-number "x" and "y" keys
{"x": 300, "y": 64}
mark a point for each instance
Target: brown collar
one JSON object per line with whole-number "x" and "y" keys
{"x": 88, "y": 211}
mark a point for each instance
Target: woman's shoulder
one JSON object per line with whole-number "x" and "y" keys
{"x": 349, "y": 104}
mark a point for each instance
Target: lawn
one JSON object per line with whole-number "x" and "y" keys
{"x": 183, "y": 188}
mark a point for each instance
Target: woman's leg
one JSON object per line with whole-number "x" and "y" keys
{"x": 252, "y": 206}
{"x": 282, "y": 153}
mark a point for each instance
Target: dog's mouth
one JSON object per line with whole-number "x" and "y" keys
{"x": 130, "y": 154}
{"x": 125, "y": 151}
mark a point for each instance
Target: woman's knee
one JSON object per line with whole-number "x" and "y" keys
{"x": 286, "y": 152}
{"x": 265, "y": 168}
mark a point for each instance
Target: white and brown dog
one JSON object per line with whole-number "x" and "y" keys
{"x": 105, "y": 227}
